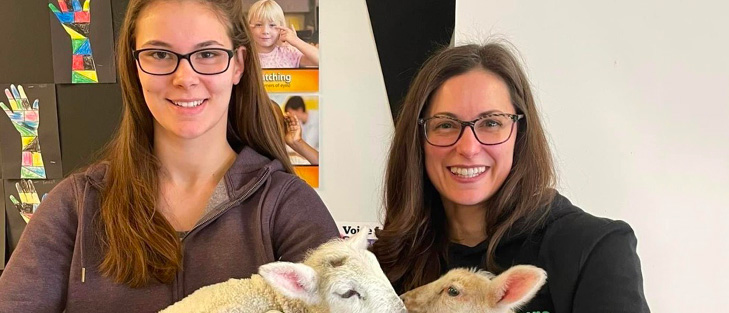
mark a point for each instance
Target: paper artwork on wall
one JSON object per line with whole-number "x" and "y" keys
{"x": 29, "y": 132}
{"x": 74, "y": 27}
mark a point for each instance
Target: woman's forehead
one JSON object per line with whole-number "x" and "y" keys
{"x": 180, "y": 25}
{"x": 471, "y": 94}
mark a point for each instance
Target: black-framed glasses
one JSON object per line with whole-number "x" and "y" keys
{"x": 209, "y": 61}
{"x": 491, "y": 129}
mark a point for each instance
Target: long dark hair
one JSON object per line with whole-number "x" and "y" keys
{"x": 411, "y": 246}
{"x": 139, "y": 245}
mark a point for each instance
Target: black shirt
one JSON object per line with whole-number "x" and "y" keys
{"x": 591, "y": 262}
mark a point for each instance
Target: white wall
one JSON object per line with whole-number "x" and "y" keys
{"x": 635, "y": 95}
{"x": 355, "y": 121}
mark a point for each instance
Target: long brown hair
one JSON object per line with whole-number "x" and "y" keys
{"x": 140, "y": 246}
{"x": 412, "y": 245}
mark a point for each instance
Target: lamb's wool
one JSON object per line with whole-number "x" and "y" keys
{"x": 251, "y": 295}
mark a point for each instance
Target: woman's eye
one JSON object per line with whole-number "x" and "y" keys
{"x": 453, "y": 292}
{"x": 490, "y": 123}
{"x": 207, "y": 54}
{"x": 444, "y": 125}
{"x": 160, "y": 55}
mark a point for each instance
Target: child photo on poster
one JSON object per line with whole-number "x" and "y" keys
{"x": 285, "y": 33}
{"x": 299, "y": 118}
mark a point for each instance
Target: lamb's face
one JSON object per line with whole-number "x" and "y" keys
{"x": 351, "y": 280}
{"x": 340, "y": 275}
{"x": 461, "y": 290}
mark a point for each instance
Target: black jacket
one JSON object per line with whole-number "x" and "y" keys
{"x": 591, "y": 262}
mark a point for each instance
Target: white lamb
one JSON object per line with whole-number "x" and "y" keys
{"x": 462, "y": 290}
{"x": 338, "y": 276}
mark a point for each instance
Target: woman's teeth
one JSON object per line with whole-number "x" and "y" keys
{"x": 468, "y": 172}
{"x": 190, "y": 104}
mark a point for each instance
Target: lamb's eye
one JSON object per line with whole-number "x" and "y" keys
{"x": 350, "y": 293}
{"x": 453, "y": 292}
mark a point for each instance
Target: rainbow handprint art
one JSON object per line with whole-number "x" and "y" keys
{"x": 25, "y": 119}
{"x": 76, "y": 20}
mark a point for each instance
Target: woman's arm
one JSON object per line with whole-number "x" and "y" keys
{"x": 301, "y": 221}
{"x": 611, "y": 280}
{"x": 36, "y": 278}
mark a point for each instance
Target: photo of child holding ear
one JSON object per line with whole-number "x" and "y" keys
{"x": 276, "y": 43}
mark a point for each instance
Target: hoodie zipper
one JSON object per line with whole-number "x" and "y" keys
{"x": 232, "y": 203}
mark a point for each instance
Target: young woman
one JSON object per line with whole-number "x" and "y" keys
{"x": 195, "y": 189}
{"x": 469, "y": 184}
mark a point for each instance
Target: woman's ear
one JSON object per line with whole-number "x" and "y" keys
{"x": 240, "y": 60}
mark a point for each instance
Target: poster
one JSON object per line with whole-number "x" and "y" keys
{"x": 348, "y": 229}
{"x": 29, "y": 132}
{"x": 22, "y": 197}
{"x": 286, "y": 38}
{"x": 83, "y": 41}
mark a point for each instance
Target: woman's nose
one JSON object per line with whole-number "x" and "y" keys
{"x": 468, "y": 145}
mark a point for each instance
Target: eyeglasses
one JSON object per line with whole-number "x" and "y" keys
{"x": 209, "y": 61}
{"x": 492, "y": 129}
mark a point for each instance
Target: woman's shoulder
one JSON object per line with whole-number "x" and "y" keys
{"x": 567, "y": 222}
{"x": 571, "y": 235}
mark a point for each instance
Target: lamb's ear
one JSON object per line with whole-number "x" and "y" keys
{"x": 293, "y": 280}
{"x": 359, "y": 240}
{"x": 517, "y": 285}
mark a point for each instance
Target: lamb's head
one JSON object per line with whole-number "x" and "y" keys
{"x": 462, "y": 290}
{"x": 339, "y": 276}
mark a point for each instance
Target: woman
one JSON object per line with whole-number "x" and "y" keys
{"x": 469, "y": 184}
{"x": 195, "y": 189}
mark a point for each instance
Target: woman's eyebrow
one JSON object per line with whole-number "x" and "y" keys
{"x": 482, "y": 114}
{"x": 157, "y": 43}
{"x": 208, "y": 43}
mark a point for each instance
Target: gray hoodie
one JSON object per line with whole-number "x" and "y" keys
{"x": 267, "y": 215}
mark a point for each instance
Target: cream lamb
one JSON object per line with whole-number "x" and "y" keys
{"x": 462, "y": 290}
{"x": 338, "y": 276}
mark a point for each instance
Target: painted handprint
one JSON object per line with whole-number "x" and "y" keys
{"x": 29, "y": 200}
{"x": 77, "y": 23}
{"x": 25, "y": 118}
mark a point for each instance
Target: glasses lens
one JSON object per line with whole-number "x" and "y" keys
{"x": 442, "y": 131}
{"x": 211, "y": 61}
{"x": 157, "y": 61}
{"x": 489, "y": 130}
{"x": 494, "y": 129}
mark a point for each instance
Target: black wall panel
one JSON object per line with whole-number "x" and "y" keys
{"x": 406, "y": 33}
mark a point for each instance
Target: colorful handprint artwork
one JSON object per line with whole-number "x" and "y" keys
{"x": 23, "y": 198}
{"x": 27, "y": 201}
{"x": 21, "y": 148}
{"x": 76, "y": 21}
{"x": 25, "y": 118}
{"x": 82, "y": 28}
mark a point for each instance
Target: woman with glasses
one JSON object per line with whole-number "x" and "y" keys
{"x": 470, "y": 183}
{"x": 195, "y": 188}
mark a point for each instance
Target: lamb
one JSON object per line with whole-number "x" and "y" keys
{"x": 338, "y": 276}
{"x": 462, "y": 290}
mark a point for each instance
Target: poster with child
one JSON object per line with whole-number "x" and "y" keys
{"x": 286, "y": 37}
